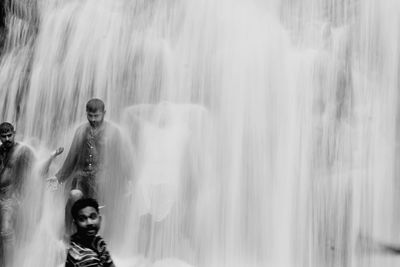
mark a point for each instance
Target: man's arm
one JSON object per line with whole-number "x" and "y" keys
{"x": 70, "y": 261}
{"x": 46, "y": 166}
{"x": 23, "y": 167}
{"x": 104, "y": 255}
{"x": 71, "y": 159}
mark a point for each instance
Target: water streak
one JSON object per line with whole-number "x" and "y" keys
{"x": 261, "y": 133}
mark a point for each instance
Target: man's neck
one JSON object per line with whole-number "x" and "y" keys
{"x": 85, "y": 240}
{"x": 97, "y": 128}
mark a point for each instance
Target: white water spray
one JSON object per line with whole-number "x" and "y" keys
{"x": 263, "y": 133}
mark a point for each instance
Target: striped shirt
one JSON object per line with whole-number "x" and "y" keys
{"x": 81, "y": 254}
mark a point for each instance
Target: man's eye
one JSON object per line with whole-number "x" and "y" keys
{"x": 81, "y": 219}
{"x": 93, "y": 216}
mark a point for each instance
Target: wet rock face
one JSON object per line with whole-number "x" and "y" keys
{"x": 3, "y": 14}
{"x": 18, "y": 23}
{"x": 2, "y": 22}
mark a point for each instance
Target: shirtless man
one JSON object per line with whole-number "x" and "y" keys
{"x": 16, "y": 164}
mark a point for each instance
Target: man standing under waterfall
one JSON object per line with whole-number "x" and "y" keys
{"x": 16, "y": 162}
{"x": 85, "y": 156}
{"x": 96, "y": 161}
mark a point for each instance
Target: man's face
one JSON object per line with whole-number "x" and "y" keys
{"x": 88, "y": 222}
{"x": 7, "y": 139}
{"x": 95, "y": 118}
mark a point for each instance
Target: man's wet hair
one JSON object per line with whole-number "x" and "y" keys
{"x": 94, "y": 105}
{"x": 6, "y": 127}
{"x": 81, "y": 204}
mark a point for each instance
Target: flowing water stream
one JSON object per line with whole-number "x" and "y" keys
{"x": 259, "y": 132}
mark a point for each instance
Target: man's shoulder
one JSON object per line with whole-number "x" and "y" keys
{"x": 99, "y": 243}
{"x": 111, "y": 128}
{"x": 110, "y": 125}
{"x": 22, "y": 146}
{"x": 100, "y": 246}
{"x": 81, "y": 130}
{"x": 75, "y": 253}
{"x": 83, "y": 127}
{"x": 23, "y": 149}
{"x": 78, "y": 252}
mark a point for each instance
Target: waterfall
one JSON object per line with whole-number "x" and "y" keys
{"x": 259, "y": 133}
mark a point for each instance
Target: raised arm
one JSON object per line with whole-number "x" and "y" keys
{"x": 24, "y": 167}
{"x": 46, "y": 165}
{"x": 71, "y": 159}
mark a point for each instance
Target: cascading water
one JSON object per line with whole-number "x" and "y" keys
{"x": 259, "y": 133}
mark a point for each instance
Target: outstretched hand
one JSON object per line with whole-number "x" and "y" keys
{"x": 46, "y": 164}
{"x": 58, "y": 151}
